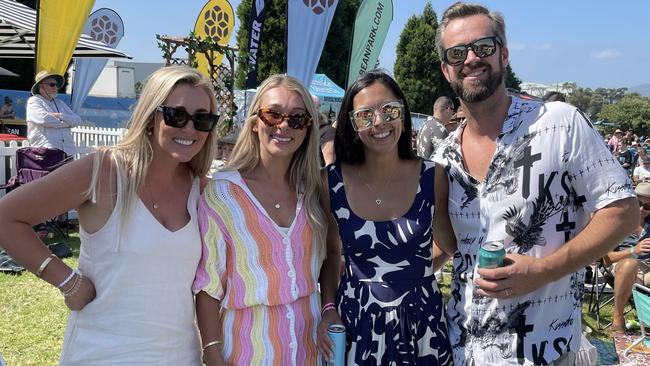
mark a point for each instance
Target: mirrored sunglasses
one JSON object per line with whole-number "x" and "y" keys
{"x": 272, "y": 118}
{"x": 178, "y": 117}
{"x": 483, "y": 47}
{"x": 364, "y": 118}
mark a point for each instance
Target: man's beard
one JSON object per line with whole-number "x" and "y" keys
{"x": 478, "y": 93}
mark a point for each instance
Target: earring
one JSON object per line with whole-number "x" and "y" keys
{"x": 149, "y": 131}
{"x": 254, "y": 129}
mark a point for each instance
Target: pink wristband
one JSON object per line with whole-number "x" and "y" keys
{"x": 328, "y": 306}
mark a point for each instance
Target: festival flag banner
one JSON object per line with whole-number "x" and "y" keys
{"x": 257, "y": 16}
{"x": 370, "y": 30}
{"x": 216, "y": 20}
{"x": 58, "y": 27}
{"x": 103, "y": 25}
{"x": 308, "y": 25}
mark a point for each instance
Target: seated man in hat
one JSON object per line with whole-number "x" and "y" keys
{"x": 49, "y": 120}
{"x": 631, "y": 259}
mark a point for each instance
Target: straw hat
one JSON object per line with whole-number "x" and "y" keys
{"x": 642, "y": 189}
{"x": 618, "y": 130}
{"x": 42, "y": 75}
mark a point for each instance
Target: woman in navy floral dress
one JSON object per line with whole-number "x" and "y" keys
{"x": 382, "y": 198}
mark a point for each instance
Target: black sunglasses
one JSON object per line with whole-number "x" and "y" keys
{"x": 51, "y": 85}
{"x": 483, "y": 47}
{"x": 645, "y": 206}
{"x": 272, "y": 118}
{"x": 178, "y": 117}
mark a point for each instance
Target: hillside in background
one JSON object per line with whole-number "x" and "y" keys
{"x": 643, "y": 89}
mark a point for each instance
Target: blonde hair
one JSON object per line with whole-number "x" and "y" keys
{"x": 134, "y": 153}
{"x": 304, "y": 171}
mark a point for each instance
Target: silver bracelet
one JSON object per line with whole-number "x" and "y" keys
{"x": 77, "y": 285}
{"x": 44, "y": 264}
{"x": 210, "y": 344}
{"x": 67, "y": 279}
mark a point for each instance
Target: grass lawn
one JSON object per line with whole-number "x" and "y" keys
{"x": 34, "y": 316}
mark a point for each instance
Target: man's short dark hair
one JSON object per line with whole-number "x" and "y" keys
{"x": 554, "y": 96}
{"x": 442, "y": 103}
{"x": 462, "y": 10}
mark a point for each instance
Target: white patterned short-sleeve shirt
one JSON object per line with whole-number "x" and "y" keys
{"x": 551, "y": 170}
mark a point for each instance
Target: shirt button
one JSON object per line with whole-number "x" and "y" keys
{"x": 292, "y": 345}
{"x": 286, "y": 240}
{"x": 289, "y": 316}
{"x": 291, "y": 273}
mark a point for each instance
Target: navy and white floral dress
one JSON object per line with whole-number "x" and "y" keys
{"x": 388, "y": 297}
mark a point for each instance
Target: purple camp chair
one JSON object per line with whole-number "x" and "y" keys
{"x": 33, "y": 163}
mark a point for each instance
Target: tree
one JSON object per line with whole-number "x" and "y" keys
{"x": 272, "y": 59}
{"x": 417, "y": 65}
{"x": 512, "y": 81}
{"x": 587, "y": 101}
{"x": 631, "y": 111}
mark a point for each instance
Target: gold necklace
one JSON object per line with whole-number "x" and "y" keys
{"x": 378, "y": 200}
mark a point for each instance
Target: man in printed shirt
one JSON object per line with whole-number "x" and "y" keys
{"x": 530, "y": 175}
{"x": 433, "y": 130}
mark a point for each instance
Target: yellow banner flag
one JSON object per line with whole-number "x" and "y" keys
{"x": 59, "y": 26}
{"x": 216, "y": 20}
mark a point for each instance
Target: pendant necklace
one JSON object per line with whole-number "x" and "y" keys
{"x": 277, "y": 205}
{"x": 378, "y": 200}
{"x": 155, "y": 204}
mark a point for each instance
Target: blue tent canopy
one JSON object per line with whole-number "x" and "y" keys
{"x": 326, "y": 89}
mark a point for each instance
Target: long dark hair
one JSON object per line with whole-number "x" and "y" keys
{"x": 346, "y": 144}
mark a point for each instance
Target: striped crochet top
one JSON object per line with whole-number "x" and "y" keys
{"x": 247, "y": 258}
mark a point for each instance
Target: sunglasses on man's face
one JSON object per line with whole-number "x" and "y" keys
{"x": 273, "y": 118}
{"x": 364, "y": 118}
{"x": 52, "y": 85}
{"x": 483, "y": 47}
{"x": 645, "y": 206}
{"x": 178, "y": 117}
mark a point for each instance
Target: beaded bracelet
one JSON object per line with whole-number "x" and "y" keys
{"x": 67, "y": 279}
{"x": 77, "y": 285}
{"x": 44, "y": 264}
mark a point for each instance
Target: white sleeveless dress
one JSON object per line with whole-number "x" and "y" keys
{"x": 144, "y": 310}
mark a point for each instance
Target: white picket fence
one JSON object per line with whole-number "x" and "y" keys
{"x": 86, "y": 139}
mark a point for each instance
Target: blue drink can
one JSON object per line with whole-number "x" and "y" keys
{"x": 337, "y": 333}
{"x": 491, "y": 254}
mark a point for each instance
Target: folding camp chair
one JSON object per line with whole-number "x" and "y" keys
{"x": 641, "y": 295}
{"x": 602, "y": 292}
{"x": 33, "y": 163}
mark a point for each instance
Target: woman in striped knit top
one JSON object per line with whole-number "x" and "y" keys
{"x": 263, "y": 231}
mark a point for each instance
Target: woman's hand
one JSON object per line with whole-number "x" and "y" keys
{"x": 84, "y": 295}
{"x": 213, "y": 357}
{"x": 324, "y": 342}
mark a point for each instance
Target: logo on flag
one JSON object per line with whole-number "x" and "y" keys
{"x": 216, "y": 20}
{"x": 318, "y": 6}
{"x": 105, "y": 30}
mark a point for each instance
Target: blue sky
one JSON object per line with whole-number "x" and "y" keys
{"x": 595, "y": 43}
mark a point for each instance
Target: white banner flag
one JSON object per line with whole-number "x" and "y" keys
{"x": 309, "y": 23}
{"x": 103, "y": 25}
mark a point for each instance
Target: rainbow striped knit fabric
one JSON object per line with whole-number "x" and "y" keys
{"x": 264, "y": 276}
